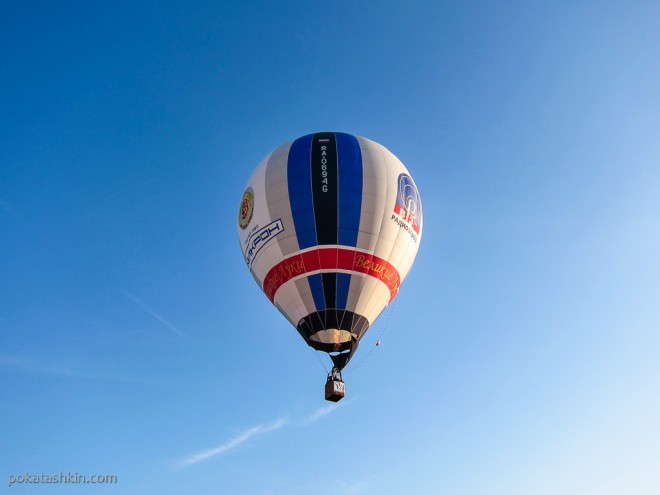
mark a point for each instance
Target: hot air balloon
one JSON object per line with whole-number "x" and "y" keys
{"x": 329, "y": 226}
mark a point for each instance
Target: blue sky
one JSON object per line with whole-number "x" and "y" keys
{"x": 521, "y": 355}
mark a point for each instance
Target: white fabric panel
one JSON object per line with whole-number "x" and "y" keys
{"x": 302, "y": 286}
{"x": 285, "y": 314}
{"x": 378, "y": 301}
{"x": 278, "y": 199}
{"x": 366, "y": 292}
{"x": 400, "y": 257}
{"x": 354, "y": 291}
{"x": 392, "y": 243}
{"x": 266, "y": 259}
{"x": 289, "y": 300}
{"x": 374, "y": 199}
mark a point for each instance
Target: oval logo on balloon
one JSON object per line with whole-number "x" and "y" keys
{"x": 246, "y": 208}
{"x": 408, "y": 205}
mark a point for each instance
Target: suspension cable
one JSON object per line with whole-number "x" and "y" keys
{"x": 316, "y": 353}
{"x": 380, "y": 336}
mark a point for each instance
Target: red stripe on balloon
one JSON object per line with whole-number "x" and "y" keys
{"x": 328, "y": 259}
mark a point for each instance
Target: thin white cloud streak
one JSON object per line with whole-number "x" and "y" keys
{"x": 27, "y": 365}
{"x": 323, "y": 411}
{"x": 319, "y": 413}
{"x": 156, "y": 315}
{"x": 253, "y": 432}
{"x": 30, "y": 365}
{"x": 233, "y": 443}
{"x": 355, "y": 487}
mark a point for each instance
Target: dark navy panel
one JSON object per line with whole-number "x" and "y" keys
{"x": 343, "y": 282}
{"x": 330, "y": 289}
{"x": 300, "y": 191}
{"x": 324, "y": 186}
{"x": 349, "y": 158}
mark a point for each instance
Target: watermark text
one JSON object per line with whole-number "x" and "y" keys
{"x": 62, "y": 478}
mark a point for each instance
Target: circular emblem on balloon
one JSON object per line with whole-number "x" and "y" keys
{"x": 408, "y": 195}
{"x": 246, "y": 208}
{"x": 408, "y": 203}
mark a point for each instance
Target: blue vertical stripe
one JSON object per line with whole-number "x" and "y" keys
{"x": 299, "y": 179}
{"x": 316, "y": 285}
{"x": 349, "y": 166}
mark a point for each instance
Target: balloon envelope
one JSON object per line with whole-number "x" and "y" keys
{"x": 329, "y": 226}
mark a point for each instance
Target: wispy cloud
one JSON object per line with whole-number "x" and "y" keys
{"x": 30, "y": 365}
{"x": 320, "y": 412}
{"x": 87, "y": 372}
{"x": 156, "y": 315}
{"x": 355, "y": 487}
{"x": 256, "y": 431}
{"x": 233, "y": 443}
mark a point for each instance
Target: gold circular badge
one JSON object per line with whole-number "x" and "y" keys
{"x": 246, "y": 209}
